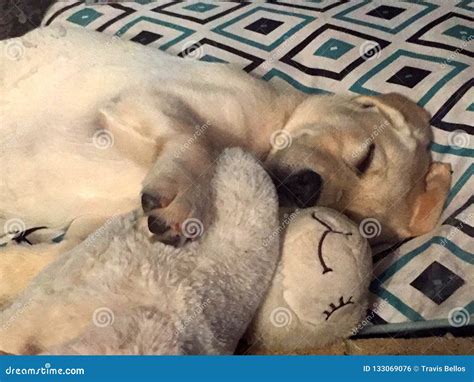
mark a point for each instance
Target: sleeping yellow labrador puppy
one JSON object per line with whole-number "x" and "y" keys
{"x": 93, "y": 127}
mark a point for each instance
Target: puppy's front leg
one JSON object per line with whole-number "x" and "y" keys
{"x": 161, "y": 131}
{"x": 175, "y": 194}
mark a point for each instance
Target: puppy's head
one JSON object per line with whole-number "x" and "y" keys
{"x": 365, "y": 156}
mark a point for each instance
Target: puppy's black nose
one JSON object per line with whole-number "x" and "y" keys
{"x": 301, "y": 189}
{"x": 150, "y": 202}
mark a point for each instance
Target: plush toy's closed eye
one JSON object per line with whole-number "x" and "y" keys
{"x": 326, "y": 269}
{"x": 333, "y": 307}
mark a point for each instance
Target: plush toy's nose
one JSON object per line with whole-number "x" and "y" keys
{"x": 301, "y": 189}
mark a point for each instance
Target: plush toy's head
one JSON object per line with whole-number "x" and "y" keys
{"x": 320, "y": 290}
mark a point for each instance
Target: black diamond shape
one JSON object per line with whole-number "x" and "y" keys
{"x": 291, "y": 58}
{"x": 385, "y": 12}
{"x": 437, "y": 282}
{"x": 408, "y": 76}
{"x": 146, "y": 37}
{"x": 264, "y": 26}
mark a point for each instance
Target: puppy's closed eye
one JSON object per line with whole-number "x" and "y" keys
{"x": 367, "y": 106}
{"x": 363, "y": 165}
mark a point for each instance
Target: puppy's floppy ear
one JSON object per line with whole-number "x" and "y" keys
{"x": 399, "y": 109}
{"x": 429, "y": 200}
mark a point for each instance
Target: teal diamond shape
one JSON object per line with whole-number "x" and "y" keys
{"x": 460, "y": 32}
{"x": 209, "y": 58}
{"x": 333, "y": 48}
{"x": 200, "y": 7}
{"x": 471, "y": 107}
{"x": 84, "y": 16}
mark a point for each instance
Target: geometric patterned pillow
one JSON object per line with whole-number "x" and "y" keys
{"x": 421, "y": 49}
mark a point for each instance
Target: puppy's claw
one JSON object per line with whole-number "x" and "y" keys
{"x": 157, "y": 226}
{"x": 150, "y": 202}
{"x": 167, "y": 234}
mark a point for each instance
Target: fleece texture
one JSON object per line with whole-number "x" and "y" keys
{"x": 121, "y": 292}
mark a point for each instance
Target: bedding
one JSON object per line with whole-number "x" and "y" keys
{"x": 421, "y": 49}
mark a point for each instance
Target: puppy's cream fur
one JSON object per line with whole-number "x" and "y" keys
{"x": 88, "y": 123}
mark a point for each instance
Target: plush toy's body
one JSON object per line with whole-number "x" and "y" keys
{"x": 119, "y": 292}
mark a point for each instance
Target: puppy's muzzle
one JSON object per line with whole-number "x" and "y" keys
{"x": 301, "y": 189}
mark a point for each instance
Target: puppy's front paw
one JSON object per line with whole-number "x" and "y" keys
{"x": 178, "y": 218}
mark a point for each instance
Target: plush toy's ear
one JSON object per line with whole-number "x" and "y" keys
{"x": 428, "y": 205}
